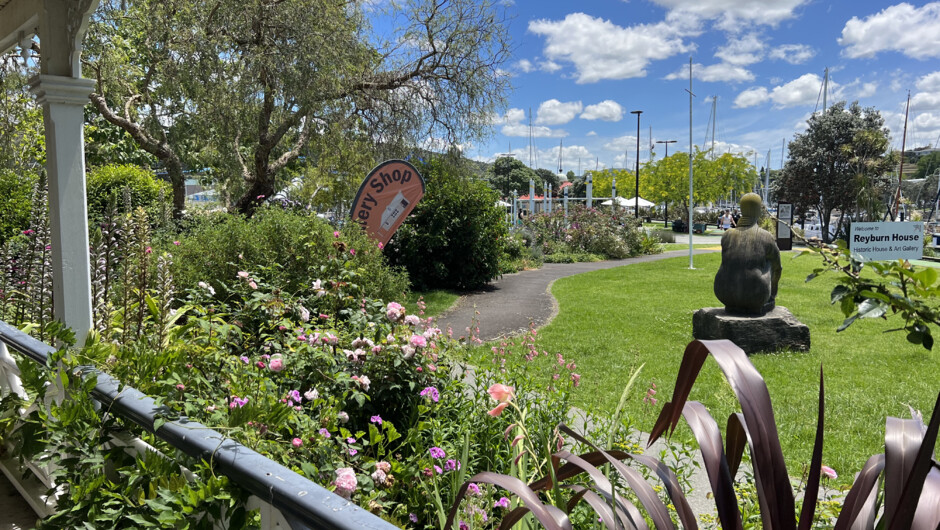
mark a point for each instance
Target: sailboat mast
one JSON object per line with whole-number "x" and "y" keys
{"x": 825, "y": 88}
{"x": 897, "y": 196}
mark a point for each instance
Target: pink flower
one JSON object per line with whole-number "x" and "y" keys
{"x": 503, "y": 502}
{"x": 418, "y": 341}
{"x": 297, "y": 442}
{"x": 276, "y": 364}
{"x": 431, "y": 393}
{"x": 345, "y": 481}
{"x": 394, "y": 311}
{"x": 500, "y": 392}
{"x": 379, "y": 477}
{"x": 335, "y": 233}
{"x": 149, "y": 250}
{"x": 473, "y": 490}
{"x": 829, "y": 472}
{"x": 497, "y": 410}
{"x": 381, "y": 245}
{"x": 376, "y": 419}
{"x": 181, "y": 387}
{"x": 437, "y": 452}
{"x": 177, "y": 243}
{"x": 352, "y": 252}
{"x": 243, "y": 274}
{"x": 259, "y": 197}
{"x": 576, "y": 378}
{"x": 252, "y": 284}
{"x": 324, "y": 433}
{"x": 384, "y": 466}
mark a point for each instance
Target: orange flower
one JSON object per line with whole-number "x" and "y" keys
{"x": 498, "y": 410}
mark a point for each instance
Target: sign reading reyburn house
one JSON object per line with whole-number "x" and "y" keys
{"x": 386, "y": 197}
{"x": 887, "y": 241}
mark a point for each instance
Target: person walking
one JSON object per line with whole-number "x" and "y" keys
{"x": 726, "y": 221}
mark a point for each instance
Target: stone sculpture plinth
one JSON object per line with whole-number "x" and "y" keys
{"x": 775, "y": 330}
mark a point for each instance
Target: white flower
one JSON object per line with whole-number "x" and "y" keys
{"x": 311, "y": 394}
{"x": 207, "y": 287}
{"x": 304, "y": 314}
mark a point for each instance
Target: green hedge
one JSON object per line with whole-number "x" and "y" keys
{"x": 16, "y": 193}
{"x": 106, "y": 184}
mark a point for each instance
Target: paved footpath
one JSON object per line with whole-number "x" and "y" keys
{"x": 510, "y": 304}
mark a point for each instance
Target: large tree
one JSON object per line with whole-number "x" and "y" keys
{"x": 838, "y": 163}
{"x": 713, "y": 179}
{"x": 509, "y": 174}
{"x": 245, "y": 86}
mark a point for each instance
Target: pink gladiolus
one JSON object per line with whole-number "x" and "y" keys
{"x": 498, "y": 410}
{"x": 500, "y": 392}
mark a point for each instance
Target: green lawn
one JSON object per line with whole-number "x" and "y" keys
{"x": 438, "y": 301}
{"x": 681, "y": 246}
{"x": 611, "y": 321}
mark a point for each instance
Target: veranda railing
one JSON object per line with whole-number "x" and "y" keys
{"x": 285, "y": 499}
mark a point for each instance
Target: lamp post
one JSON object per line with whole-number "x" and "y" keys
{"x": 666, "y": 205}
{"x": 636, "y": 205}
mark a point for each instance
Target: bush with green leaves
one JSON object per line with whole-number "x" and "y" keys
{"x": 16, "y": 190}
{"x": 454, "y": 238}
{"x": 588, "y": 231}
{"x": 294, "y": 247}
{"x": 128, "y": 187}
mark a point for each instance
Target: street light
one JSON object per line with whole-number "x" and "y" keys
{"x": 666, "y": 207}
{"x": 636, "y": 206}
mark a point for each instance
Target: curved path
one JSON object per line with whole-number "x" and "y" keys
{"x": 508, "y": 305}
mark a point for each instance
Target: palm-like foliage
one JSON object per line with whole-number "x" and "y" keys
{"x": 909, "y": 496}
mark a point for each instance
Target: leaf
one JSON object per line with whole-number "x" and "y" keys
{"x": 838, "y": 293}
{"x": 860, "y": 501}
{"x": 916, "y": 473}
{"x": 811, "y": 493}
{"x": 871, "y": 309}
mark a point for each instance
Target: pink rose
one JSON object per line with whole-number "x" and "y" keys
{"x": 276, "y": 364}
{"x": 297, "y": 442}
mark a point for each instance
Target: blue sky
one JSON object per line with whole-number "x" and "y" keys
{"x": 582, "y": 67}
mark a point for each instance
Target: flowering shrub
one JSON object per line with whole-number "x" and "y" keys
{"x": 588, "y": 232}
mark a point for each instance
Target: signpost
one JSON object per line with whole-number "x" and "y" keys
{"x": 887, "y": 241}
{"x": 386, "y": 197}
{"x": 784, "y": 221}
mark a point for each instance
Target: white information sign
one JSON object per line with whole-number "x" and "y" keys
{"x": 887, "y": 241}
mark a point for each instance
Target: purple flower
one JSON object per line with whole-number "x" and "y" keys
{"x": 451, "y": 465}
{"x": 413, "y": 518}
{"x": 432, "y": 393}
{"x": 294, "y": 395}
{"x": 350, "y": 440}
{"x": 238, "y": 402}
{"x": 352, "y": 452}
{"x": 376, "y": 419}
{"x": 439, "y": 470}
{"x": 437, "y": 452}
{"x": 473, "y": 490}
{"x": 503, "y": 502}
{"x": 324, "y": 433}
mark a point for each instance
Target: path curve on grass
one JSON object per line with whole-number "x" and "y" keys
{"x": 508, "y": 306}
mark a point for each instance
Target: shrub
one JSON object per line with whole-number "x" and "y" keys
{"x": 295, "y": 247}
{"x": 115, "y": 184}
{"x": 589, "y": 231}
{"x": 455, "y": 236}
{"x": 15, "y": 200}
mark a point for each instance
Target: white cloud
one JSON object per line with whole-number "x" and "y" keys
{"x": 867, "y": 90}
{"x": 925, "y": 101}
{"x": 793, "y": 53}
{"x": 621, "y": 143}
{"x": 742, "y": 52}
{"x": 513, "y": 126}
{"x": 751, "y": 97}
{"x": 591, "y": 133}
{"x": 929, "y": 82}
{"x": 599, "y": 49}
{"x": 803, "y": 90}
{"x": 607, "y": 110}
{"x": 554, "y": 112}
{"x": 525, "y": 65}
{"x": 913, "y": 31}
{"x": 927, "y": 120}
{"x": 549, "y": 66}
{"x": 714, "y": 73}
{"x": 731, "y": 14}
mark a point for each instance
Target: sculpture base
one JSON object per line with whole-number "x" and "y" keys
{"x": 775, "y": 330}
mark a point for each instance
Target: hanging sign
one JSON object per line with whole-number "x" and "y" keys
{"x": 386, "y": 197}
{"x": 887, "y": 241}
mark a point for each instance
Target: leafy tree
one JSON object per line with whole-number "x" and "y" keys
{"x": 927, "y": 165}
{"x": 126, "y": 186}
{"x": 22, "y": 138}
{"x": 246, "y": 87}
{"x": 838, "y": 163}
{"x": 508, "y": 174}
{"x": 626, "y": 182}
{"x": 549, "y": 177}
{"x": 106, "y": 143}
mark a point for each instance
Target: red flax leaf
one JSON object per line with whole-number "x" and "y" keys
{"x": 648, "y": 498}
{"x": 735, "y": 439}
{"x": 902, "y": 441}
{"x": 915, "y": 483}
{"x": 811, "y": 494}
{"x": 708, "y": 436}
{"x": 603, "y": 486}
{"x": 751, "y": 391}
{"x": 549, "y": 516}
{"x": 928, "y": 509}
{"x": 600, "y": 506}
{"x": 860, "y": 502}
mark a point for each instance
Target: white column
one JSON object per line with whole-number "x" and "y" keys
{"x": 62, "y": 99}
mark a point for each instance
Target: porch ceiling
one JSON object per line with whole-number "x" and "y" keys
{"x": 18, "y": 19}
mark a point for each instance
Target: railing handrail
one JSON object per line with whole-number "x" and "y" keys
{"x": 303, "y": 503}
